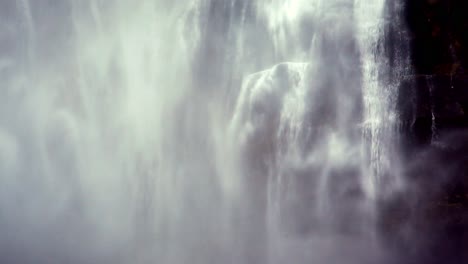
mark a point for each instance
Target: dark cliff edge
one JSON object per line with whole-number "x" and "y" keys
{"x": 428, "y": 222}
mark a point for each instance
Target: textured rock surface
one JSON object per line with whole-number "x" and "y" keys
{"x": 430, "y": 221}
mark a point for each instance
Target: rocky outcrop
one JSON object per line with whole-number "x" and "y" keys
{"x": 433, "y": 101}
{"x": 430, "y": 220}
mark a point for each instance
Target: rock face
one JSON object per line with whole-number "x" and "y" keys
{"x": 434, "y": 100}
{"x": 433, "y": 106}
{"x": 432, "y": 218}
{"x": 438, "y": 33}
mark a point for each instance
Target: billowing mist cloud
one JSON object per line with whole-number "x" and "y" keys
{"x": 190, "y": 131}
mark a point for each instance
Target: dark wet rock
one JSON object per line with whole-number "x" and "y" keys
{"x": 433, "y": 105}
{"x": 438, "y": 35}
{"x": 428, "y": 221}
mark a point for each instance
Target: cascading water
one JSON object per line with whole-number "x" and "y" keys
{"x": 193, "y": 131}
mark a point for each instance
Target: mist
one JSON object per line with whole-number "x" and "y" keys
{"x": 197, "y": 131}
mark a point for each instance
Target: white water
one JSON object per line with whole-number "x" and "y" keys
{"x": 193, "y": 131}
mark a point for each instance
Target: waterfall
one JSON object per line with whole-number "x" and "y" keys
{"x": 195, "y": 131}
